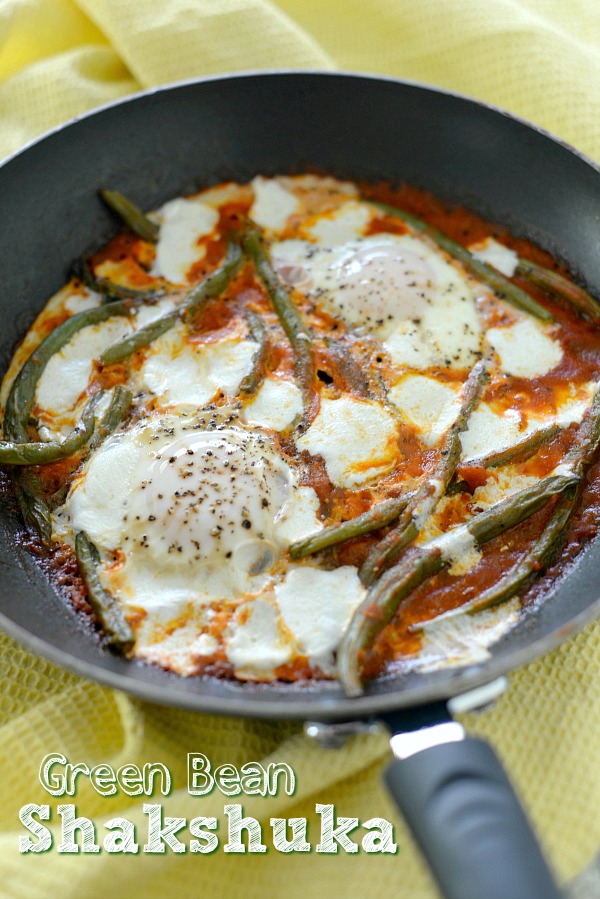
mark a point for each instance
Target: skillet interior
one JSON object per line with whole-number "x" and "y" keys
{"x": 171, "y": 141}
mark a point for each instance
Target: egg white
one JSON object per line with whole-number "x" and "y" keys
{"x": 186, "y": 493}
{"x": 382, "y": 282}
{"x": 187, "y": 509}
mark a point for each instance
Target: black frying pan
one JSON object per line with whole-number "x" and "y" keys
{"x": 166, "y": 142}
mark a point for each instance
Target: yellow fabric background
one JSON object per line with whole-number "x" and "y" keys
{"x": 539, "y": 58}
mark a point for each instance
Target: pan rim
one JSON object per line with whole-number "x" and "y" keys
{"x": 318, "y": 704}
{"x": 318, "y": 73}
{"x": 323, "y": 707}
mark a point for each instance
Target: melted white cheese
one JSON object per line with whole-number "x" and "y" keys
{"x": 153, "y": 311}
{"x": 341, "y": 225}
{"x": 182, "y": 224}
{"x": 299, "y": 518}
{"x": 230, "y": 192}
{"x": 256, "y": 644}
{"x": 316, "y": 606}
{"x": 459, "y": 547}
{"x": 81, "y": 301}
{"x": 273, "y": 204}
{"x": 490, "y": 430}
{"x": 427, "y": 404}
{"x": 69, "y": 300}
{"x": 163, "y": 639}
{"x": 68, "y": 372}
{"x": 277, "y": 404}
{"x": 502, "y": 258}
{"x": 525, "y": 349}
{"x": 179, "y": 372}
{"x": 502, "y": 482}
{"x": 356, "y": 438}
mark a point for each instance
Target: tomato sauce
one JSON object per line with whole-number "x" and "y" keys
{"x": 338, "y": 367}
{"x": 580, "y": 363}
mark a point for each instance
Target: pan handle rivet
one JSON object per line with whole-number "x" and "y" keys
{"x": 479, "y": 699}
{"x": 335, "y": 734}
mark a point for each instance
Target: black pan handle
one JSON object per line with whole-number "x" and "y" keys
{"x": 468, "y": 822}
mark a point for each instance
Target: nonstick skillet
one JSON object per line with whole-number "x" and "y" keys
{"x": 167, "y": 142}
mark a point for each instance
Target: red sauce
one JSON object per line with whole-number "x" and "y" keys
{"x": 336, "y": 364}
{"x": 580, "y": 364}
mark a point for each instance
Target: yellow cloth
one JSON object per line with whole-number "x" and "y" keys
{"x": 539, "y": 58}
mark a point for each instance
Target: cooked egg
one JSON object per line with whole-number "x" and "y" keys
{"x": 187, "y": 509}
{"x": 378, "y": 282}
{"x": 181, "y": 493}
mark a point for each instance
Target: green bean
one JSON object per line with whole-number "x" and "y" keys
{"x": 531, "y": 564}
{"x": 587, "y": 440}
{"x": 517, "y": 507}
{"x": 379, "y": 607}
{"x": 110, "y": 289}
{"x": 519, "y": 452}
{"x": 43, "y": 453}
{"x": 211, "y": 286}
{"x": 349, "y": 369}
{"x": 21, "y": 399}
{"x": 133, "y": 217}
{"x": 420, "y": 562}
{"x": 499, "y": 284}
{"x": 577, "y": 460}
{"x": 289, "y": 317}
{"x": 139, "y": 339}
{"x": 117, "y": 410}
{"x": 553, "y": 283}
{"x": 260, "y": 336}
{"x": 34, "y": 509}
{"x": 377, "y": 517}
{"x": 115, "y": 626}
{"x": 428, "y": 495}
